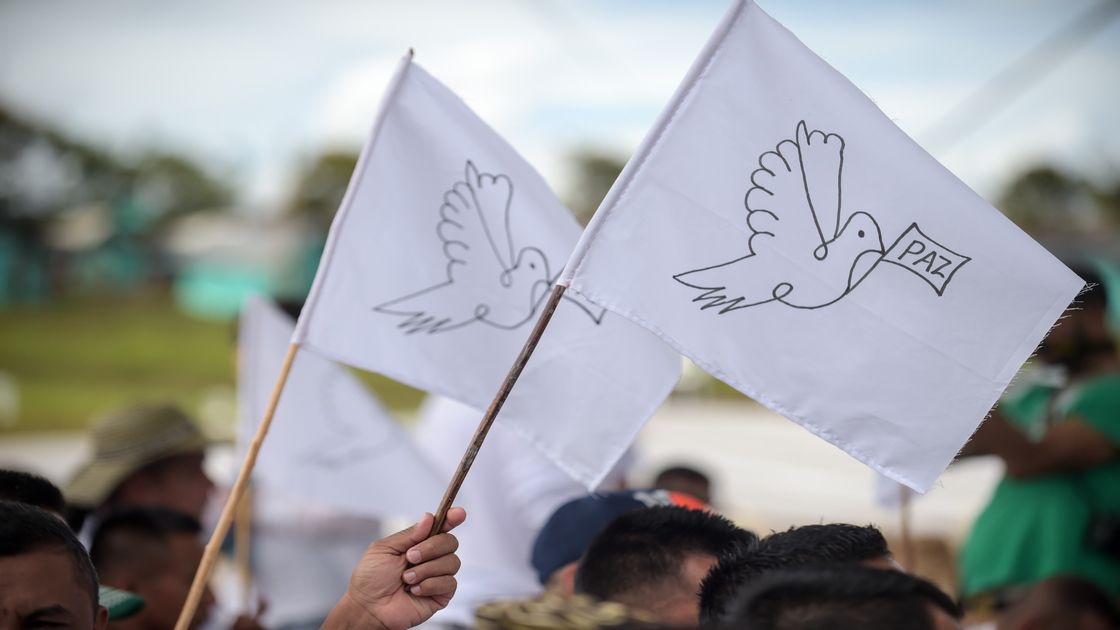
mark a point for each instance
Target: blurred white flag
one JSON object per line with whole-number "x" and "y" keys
{"x": 785, "y": 235}
{"x": 331, "y": 443}
{"x": 437, "y": 266}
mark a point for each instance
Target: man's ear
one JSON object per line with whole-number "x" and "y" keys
{"x": 101, "y": 619}
{"x": 566, "y": 578}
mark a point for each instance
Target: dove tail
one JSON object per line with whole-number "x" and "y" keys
{"x": 417, "y": 312}
{"x": 423, "y": 322}
{"x": 714, "y": 288}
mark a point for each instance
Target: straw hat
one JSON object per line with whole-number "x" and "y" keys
{"x": 127, "y": 440}
{"x": 553, "y": 612}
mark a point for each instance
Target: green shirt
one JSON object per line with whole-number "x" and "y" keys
{"x": 1035, "y": 528}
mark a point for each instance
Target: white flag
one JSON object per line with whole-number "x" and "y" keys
{"x": 785, "y": 235}
{"x": 436, "y": 268}
{"x": 331, "y": 443}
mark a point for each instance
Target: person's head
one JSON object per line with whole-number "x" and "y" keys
{"x": 154, "y": 553}
{"x": 1062, "y": 603}
{"x": 687, "y": 480}
{"x": 46, "y": 578}
{"x": 572, "y": 527}
{"x": 830, "y": 543}
{"x": 822, "y": 598}
{"x": 1082, "y": 335}
{"x": 31, "y": 489}
{"x": 654, "y": 560}
{"x": 144, "y": 456}
{"x": 809, "y": 545}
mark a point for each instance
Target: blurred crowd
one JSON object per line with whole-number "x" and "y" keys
{"x": 119, "y": 546}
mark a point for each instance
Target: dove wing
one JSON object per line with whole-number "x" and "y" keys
{"x": 475, "y": 236}
{"x": 473, "y": 228}
{"x": 822, "y": 161}
{"x": 778, "y": 209}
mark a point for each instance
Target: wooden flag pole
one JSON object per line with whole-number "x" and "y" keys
{"x": 909, "y": 561}
{"x": 214, "y": 546}
{"x": 242, "y": 541}
{"x": 495, "y": 407}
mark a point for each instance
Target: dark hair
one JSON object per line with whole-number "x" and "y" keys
{"x": 135, "y": 537}
{"x": 821, "y": 598}
{"x": 24, "y": 487}
{"x": 685, "y": 472}
{"x": 1079, "y": 347}
{"x": 646, "y": 548}
{"x": 1076, "y": 594}
{"x": 827, "y": 543}
{"x": 808, "y": 545}
{"x": 25, "y": 529}
{"x": 1096, "y": 292}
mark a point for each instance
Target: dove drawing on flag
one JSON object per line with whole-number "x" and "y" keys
{"x": 805, "y": 250}
{"x": 489, "y": 278}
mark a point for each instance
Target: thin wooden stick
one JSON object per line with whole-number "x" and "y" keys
{"x": 495, "y": 407}
{"x": 908, "y": 560}
{"x": 242, "y": 541}
{"x": 210, "y": 556}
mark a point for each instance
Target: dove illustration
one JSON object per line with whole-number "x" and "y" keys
{"x": 803, "y": 251}
{"x": 489, "y": 279}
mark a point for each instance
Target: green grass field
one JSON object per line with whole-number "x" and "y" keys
{"x": 77, "y": 357}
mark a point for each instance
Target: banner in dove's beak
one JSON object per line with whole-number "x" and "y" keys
{"x": 331, "y": 443}
{"x": 438, "y": 264}
{"x": 784, "y": 234}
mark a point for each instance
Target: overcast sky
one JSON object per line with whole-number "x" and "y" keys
{"x": 250, "y": 88}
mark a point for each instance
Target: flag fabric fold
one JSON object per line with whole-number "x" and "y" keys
{"x": 779, "y": 230}
{"x": 331, "y": 443}
{"x": 438, "y": 263}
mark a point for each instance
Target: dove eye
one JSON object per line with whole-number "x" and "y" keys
{"x": 532, "y": 265}
{"x": 860, "y": 233}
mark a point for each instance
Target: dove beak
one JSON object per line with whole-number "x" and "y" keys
{"x": 863, "y": 265}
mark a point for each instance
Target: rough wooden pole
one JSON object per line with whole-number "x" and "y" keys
{"x": 242, "y": 546}
{"x": 213, "y": 548}
{"x": 495, "y": 407}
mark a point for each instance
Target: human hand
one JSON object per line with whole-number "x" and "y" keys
{"x": 245, "y": 622}
{"x": 403, "y": 579}
{"x": 251, "y": 622}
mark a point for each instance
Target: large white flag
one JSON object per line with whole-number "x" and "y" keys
{"x": 785, "y": 235}
{"x": 331, "y": 443}
{"x": 437, "y": 265}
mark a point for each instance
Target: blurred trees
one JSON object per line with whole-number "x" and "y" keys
{"x": 321, "y": 185}
{"x": 74, "y": 214}
{"x": 594, "y": 173}
{"x": 1077, "y": 220}
{"x": 167, "y": 186}
{"x": 1048, "y": 202}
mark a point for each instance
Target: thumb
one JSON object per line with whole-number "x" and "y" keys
{"x": 403, "y": 540}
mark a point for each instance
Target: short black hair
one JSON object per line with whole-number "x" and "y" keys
{"x": 831, "y": 543}
{"x": 643, "y": 549}
{"x": 807, "y": 545}
{"x": 137, "y": 537}
{"x": 26, "y": 528}
{"x": 686, "y": 472}
{"x": 24, "y": 487}
{"x": 822, "y": 598}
